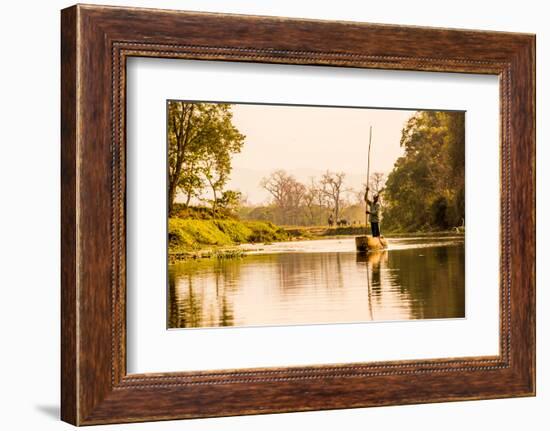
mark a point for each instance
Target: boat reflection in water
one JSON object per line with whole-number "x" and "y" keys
{"x": 322, "y": 281}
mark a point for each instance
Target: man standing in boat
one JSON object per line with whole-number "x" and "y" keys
{"x": 373, "y": 211}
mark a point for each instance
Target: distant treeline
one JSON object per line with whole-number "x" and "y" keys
{"x": 320, "y": 201}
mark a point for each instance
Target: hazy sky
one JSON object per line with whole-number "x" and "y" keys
{"x": 306, "y": 141}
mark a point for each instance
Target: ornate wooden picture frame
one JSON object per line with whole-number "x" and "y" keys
{"x": 96, "y": 41}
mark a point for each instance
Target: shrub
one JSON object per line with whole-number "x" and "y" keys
{"x": 265, "y": 232}
{"x": 191, "y": 234}
{"x": 234, "y": 229}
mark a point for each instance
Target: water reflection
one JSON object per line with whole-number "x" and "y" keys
{"x": 412, "y": 280}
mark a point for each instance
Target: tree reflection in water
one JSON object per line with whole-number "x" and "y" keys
{"x": 324, "y": 287}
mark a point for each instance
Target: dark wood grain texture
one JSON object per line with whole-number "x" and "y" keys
{"x": 69, "y": 397}
{"x": 96, "y": 41}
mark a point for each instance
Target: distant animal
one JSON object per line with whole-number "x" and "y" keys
{"x": 460, "y": 229}
{"x": 343, "y": 222}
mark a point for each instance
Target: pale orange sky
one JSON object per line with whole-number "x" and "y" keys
{"x": 306, "y": 141}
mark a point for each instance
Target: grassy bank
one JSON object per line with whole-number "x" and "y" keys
{"x": 217, "y": 237}
{"x": 316, "y": 232}
{"x": 197, "y": 232}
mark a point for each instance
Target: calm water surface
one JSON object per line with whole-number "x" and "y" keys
{"x": 321, "y": 281}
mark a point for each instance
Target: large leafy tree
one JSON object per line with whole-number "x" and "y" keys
{"x": 201, "y": 140}
{"x": 425, "y": 190}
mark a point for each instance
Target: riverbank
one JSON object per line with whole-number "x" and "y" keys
{"x": 192, "y": 238}
{"x": 221, "y": 238}
{"x": 317, "y": 232}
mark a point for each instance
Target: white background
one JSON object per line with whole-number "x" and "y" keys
{"x": 151, "y": 348}
{"x": 29, "y": 224}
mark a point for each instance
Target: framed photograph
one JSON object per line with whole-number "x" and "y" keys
{"x": 264, "y": 215}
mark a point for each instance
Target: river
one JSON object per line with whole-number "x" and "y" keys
{"x": 320, "y": 281}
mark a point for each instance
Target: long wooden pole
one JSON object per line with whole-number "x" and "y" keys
{"x": 368, "y": 175}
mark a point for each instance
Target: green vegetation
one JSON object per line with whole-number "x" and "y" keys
{"x": 319, "y": 232}
{"x": 423, "y": 193}
{"x": 201, "y": 141}
{"x": 175, "y": 256}
{"x": 214, "y": 237}
{"x": 425, "y": 190}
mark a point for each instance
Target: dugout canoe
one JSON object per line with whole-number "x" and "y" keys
{"x": 366, "y": 243}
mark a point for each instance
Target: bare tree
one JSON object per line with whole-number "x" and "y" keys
{"x": 313, "y": 201}
{"x": 359, "y": 195}
{"x": 277, "y": 184}
{"x": 376, "y": 182}
{"x": 333, "y": 189}
{"x": 286, "y": 191}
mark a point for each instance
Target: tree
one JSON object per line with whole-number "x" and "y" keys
{"x": 376, "y": 182}
{"x": 287, "y": 194}
{"x": 226, "y": 141}
{"x": 425, "y": 190}
{"x": 182, "y": 135}
{"x": 230, "y": 200}
{"x": 333, "y": 189}
{"x": 201, "y": 140}
{"x": 277, "y": 184}
{"x": 285, "y": 190}
{"x": 191, "y": 182}
{"x": 216, "y": 171}
{"x": 311, "y": 201}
